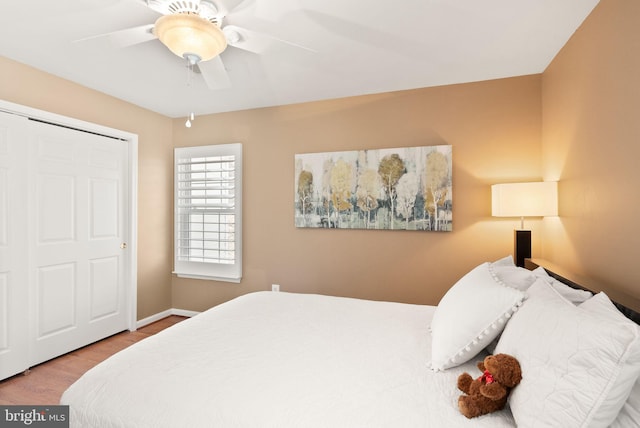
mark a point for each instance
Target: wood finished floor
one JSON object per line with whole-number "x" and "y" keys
{"x": 46, "y": 382}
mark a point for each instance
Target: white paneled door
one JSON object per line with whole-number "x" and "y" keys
{"x": 14, "y": 291}
{"x": 77, "y": 203}
{"x": 64, "y": 222}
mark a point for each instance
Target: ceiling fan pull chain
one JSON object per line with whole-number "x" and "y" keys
{"x": 189, "y": 72}
{"x": 191, "y": 62}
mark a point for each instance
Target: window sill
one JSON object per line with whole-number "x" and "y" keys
{"x": 206, "y": 277}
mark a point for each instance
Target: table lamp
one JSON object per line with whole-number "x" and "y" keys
{"x": 537, "y": 199}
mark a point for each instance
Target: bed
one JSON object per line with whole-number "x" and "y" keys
{"x": 276, "y": 359}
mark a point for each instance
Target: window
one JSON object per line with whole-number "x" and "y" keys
{"x": 208, "y": 212}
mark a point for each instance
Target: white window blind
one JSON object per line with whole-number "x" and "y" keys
{"x": 208, "y": 212}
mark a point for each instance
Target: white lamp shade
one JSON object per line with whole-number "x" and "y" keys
{"x": 538, "y": 199}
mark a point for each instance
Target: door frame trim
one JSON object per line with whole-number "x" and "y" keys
{"x": 131, "y": 275}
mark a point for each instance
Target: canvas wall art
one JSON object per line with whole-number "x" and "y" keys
{"x": 406, "y": 188}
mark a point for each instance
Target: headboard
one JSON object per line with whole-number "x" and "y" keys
{"x": 628, "y": 305}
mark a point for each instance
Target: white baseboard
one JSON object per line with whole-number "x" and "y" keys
{"x": 157, "y": 317}
{"x": 184, "y": 313}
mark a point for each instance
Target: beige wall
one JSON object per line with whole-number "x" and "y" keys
{"x": 26, "y": 86}
{"x": 577, "y": 122}
{"x": 494, "y": 128}
{"x": 591, "y": 144}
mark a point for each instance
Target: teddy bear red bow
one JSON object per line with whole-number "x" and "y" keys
{"x": 488, "y": 393}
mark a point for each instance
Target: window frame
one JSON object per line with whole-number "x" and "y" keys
{"x": 227, "y": 272}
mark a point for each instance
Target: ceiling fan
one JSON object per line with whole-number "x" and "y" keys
{"x": 195, "y": 31}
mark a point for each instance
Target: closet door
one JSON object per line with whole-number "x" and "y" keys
{"x": 77, "y": 210}
{"x": 14, "y": 328}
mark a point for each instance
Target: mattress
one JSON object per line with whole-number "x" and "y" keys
{"x": 271, "y": 359}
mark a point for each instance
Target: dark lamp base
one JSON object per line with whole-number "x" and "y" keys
{"x": 521, "y": 246}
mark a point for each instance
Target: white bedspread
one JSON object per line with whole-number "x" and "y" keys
{"x": 280, "y": 360}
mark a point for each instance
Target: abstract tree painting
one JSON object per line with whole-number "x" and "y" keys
{"x": 406, "y": 188}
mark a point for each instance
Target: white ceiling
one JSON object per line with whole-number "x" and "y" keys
{"x": 354, "y": 47}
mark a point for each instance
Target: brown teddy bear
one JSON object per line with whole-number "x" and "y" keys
{"x": 489, "y": 392}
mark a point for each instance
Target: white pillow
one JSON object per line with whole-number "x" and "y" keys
{"x": 505, "y": 261}
{"x": 630, "y": 413}
{"x": 512, "y": 275}
{"x": 601, "y": 305}
{"x": 572, "y": 358}
{"x": 573, "y": 295}
{"x": 470, "y": 315}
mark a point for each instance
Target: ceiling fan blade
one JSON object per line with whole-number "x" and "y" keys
{"x": 124, "y": 38}
{"x": 367, "y": 34}
{"x": 227, "y": 6}
{"x": 214, "y": 73}
{"x": 253, "y": 41}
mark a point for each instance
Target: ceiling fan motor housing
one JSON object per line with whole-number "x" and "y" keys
{"x": 204, "y": 8}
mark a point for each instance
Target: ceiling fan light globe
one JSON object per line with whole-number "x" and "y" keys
{"x": 190, "y": 34}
